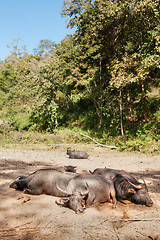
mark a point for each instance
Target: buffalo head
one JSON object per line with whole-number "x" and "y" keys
{"x": 74, "y": 199}
{"x": 135, "y": 191}
{"x": 139, "y": 194}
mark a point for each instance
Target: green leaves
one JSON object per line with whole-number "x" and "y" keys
{"x": 104, "y": 78}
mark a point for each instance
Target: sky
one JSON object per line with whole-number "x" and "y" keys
{"x": 31, "y": 21}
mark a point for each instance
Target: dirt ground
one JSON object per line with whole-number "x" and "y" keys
{"x": 39, "y": 217}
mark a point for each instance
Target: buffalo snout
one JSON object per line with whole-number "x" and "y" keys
{"x": 143, "y": 199}
{"x": 76, "y": 202}
{"x": 149, "y": 203}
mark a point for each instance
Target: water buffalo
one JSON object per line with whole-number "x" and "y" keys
{"x": 108, "y": 173}
{"x": 99, "y": 189}
{"x": 43, "y": 181}
{"x": 68, "y": 168}
{"x": 77, "y": 154}
{"x": 19, "y": 184}
{"x": 126, "y": 186}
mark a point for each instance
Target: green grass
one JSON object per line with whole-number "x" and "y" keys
{"x": 35, "y": 140}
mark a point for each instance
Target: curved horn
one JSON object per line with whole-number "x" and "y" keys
{"x": 63, "y": 191}
{"x": 145, "y": 184}
{"x": 135, "y": 186}
{"x": 142, "y": 181}
{"x": 86, "y": 190}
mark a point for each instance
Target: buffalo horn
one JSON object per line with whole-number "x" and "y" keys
{"x": 135, "y": 186}
{"x": 145, "y": 184}
{"x": 63, "y": 191}
{"x": 86, "y": 191}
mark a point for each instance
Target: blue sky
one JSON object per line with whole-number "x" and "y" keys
{"x": 31, "y": 21}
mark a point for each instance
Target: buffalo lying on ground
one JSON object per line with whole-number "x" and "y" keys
{"x": 108, "y": 173}
{"x": 94, "y": 189}
{"x": 19, "y": 185}
{"x": 99, "y": 189}
{"x": 45, "y": 181}
{"x": 127, "y": 187}
{"x": 77, "y": 154}
{"x": 68, "y": 168}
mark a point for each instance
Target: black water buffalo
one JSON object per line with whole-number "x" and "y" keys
{"x": 127, "y": 187}
{"x": 68, "y": 168}
{"x": 19, "y": 185}
{"x": 99, "y": 189}
{"x": 108, "y": 173}
{"x": 77, "y": 154}
{"x": 45, "y": 181}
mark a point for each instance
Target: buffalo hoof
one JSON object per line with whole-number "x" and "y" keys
{"x": 150, "y": 204}
{"x": 114, "y": 206}
{"x": 79, "y": 211}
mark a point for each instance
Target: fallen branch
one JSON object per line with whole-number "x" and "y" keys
{"x": 99, "y": 144}
{"x": 145, "y": 235}
{"x": 138, "y": 220}
{"x": 131, "y": 220}
{"x": 23, "y": 229}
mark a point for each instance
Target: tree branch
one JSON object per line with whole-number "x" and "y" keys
{"x": 99, "y": 144}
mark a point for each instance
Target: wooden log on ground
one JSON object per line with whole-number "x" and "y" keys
{"x": 99, "y": 144}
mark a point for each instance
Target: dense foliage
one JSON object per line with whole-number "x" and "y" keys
{"x": 104, "y": 78}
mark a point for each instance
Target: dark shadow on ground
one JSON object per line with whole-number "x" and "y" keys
{"x": 153, "y": 176}
{"x": 10, "y": 169}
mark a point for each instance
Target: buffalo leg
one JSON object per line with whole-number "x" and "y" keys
{"x": 113, "y": 196}
{"x": 33, "y": 191}
{"x": 90, "y": 199}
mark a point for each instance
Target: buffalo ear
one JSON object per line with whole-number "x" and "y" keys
{"x": 64, "y": 200}
{"x": 131, "y": 190}
{"x": 83, "y": 203}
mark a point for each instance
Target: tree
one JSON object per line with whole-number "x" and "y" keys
{"x": 45, "y": 47}
{"x": 44, "y": 114}
{"x": 119, "y": 42}
{"x": 17, "y": 49}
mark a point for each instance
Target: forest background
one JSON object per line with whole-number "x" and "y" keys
{"x": 102, "y": 81}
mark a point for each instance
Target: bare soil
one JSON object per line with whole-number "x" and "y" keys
{"x": 39, "y": 217}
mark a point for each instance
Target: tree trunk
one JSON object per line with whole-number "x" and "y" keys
{"x": 99, "y": 113}
{"x": 121, "y": 113}
{"x": 144, "y": 100}
{"x": 101, "y": 103}
{"x": 129, "y": 108}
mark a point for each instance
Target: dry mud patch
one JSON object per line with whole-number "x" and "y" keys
{"x": 38, "y": 217}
